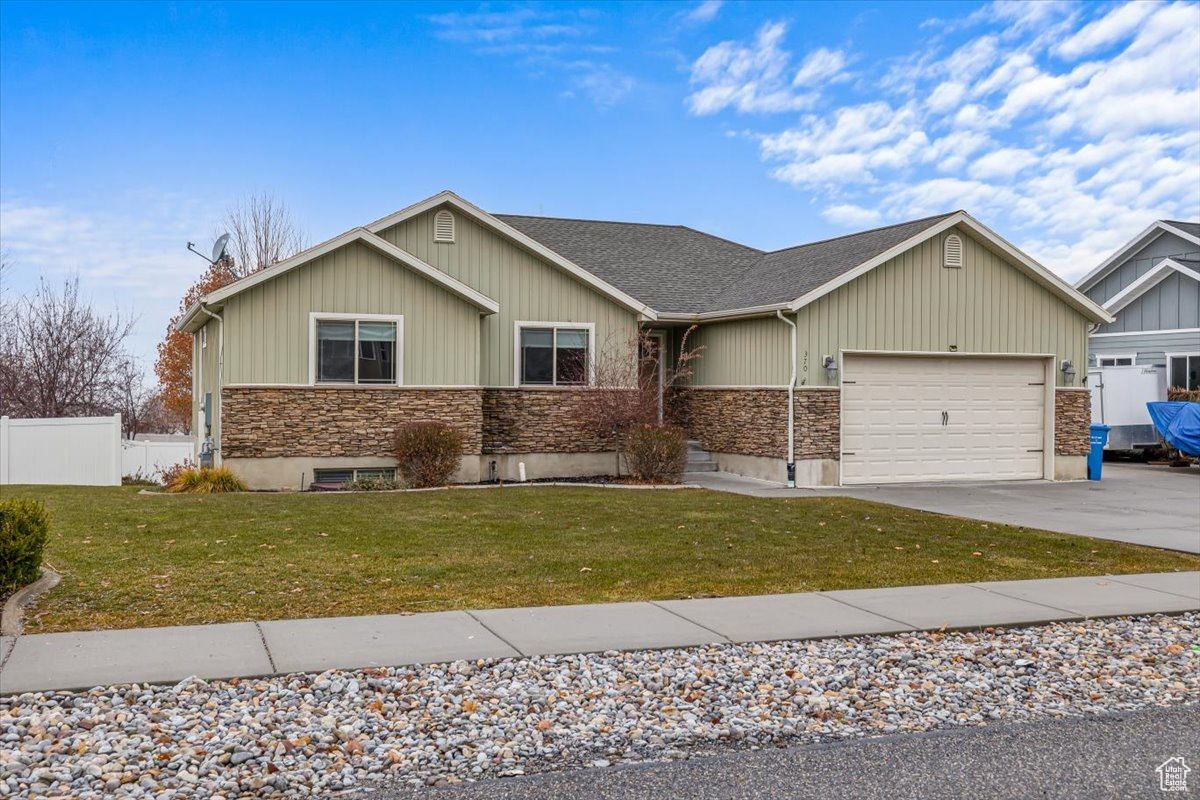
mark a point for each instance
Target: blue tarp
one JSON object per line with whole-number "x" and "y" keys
{"x": 1179, "y": 424}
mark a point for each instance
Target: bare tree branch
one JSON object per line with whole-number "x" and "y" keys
{"x": 60, "y": 357}
{"x": 262, "y": 232}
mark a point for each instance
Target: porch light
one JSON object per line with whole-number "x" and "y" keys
{"x": 1068, "y": 371}
{"x": 830, "y": 364}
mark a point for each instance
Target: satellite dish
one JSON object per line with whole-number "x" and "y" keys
{"x": 219, "y": 247}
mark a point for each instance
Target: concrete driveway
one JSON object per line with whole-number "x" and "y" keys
{"x": 1137, "y": 503}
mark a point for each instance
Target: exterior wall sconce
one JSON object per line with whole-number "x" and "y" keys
{"x": 1068, "y": 371}
{"x": 830, "y": 364}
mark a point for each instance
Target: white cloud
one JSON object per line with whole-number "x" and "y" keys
{"x": 1112, "y": 27}
{"x": 554, "y": 44}
{"x": 1003, "y": 163}
{"x": 749, "y": 78}
{"x": 1066, "y": 127}
{"x": 821, "y": 65}
{"x": 705, "y": 12}
{"x": 851, "y": 215}
{"x": 605, "y": 85}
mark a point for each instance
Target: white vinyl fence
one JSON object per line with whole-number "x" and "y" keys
{"x": 74, "y": 451}
{"x": 149, "y": 459}
{"x": 79, "y": 451}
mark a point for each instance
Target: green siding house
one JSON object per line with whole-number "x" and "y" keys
{"x": 928, "y": 350}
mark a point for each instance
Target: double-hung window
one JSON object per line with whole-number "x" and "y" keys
{"x": 359, "y": 350}
{"x": 552, "y": 354}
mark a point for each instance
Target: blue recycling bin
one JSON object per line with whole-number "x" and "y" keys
{"x": 1096, "y": 456}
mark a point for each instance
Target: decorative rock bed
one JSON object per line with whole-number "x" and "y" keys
{"x": 312, "y": 735}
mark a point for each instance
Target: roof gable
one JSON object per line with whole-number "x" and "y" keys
{"x": 539, "y": 249}
{"x": 485, "y": 304}
{"x": 1188, "y": 231}
{"x": 1159, "y": 273}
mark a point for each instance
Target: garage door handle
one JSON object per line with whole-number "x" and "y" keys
{"x": 945, "y": 418}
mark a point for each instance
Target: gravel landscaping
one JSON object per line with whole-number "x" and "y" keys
{"x": 314, "y": 735}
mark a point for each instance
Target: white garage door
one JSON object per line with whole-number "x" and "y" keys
{"x": 932, "y": 419}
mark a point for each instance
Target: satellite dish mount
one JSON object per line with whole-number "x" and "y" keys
{"x": 218, "y": 250}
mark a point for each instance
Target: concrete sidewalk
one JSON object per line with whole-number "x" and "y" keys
{"x": 244, "y": 649}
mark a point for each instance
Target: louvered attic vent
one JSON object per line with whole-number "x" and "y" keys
{"x": 443, "y": 227}
{"x": 953, "y": 251}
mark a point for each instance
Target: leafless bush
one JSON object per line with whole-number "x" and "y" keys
{"x": 624, "y": 392}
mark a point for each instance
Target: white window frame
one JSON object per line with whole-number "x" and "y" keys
{"x": 1184, "y": 354}
{"x": 328, "y": 316}
{"x": 1100, "y": 358}
{"x": 520, "y": 325}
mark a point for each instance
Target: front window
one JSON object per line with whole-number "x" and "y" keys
{"x": 1184, "y": 371}
{"x": 554, "y": 356}
{"x": 356, "y": 351}
{"x": 1117, "y": 361}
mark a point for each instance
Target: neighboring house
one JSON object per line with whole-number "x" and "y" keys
{"x": 1152, "y": 287}
{"x": 929, "y": 350}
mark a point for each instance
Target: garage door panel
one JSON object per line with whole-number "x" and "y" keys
{"x": 893, "y": 429}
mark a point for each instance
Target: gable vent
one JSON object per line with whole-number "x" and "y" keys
{"x": 443, "y": 227}
{"x": 953, "y": 251}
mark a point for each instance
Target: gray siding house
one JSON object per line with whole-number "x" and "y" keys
{"x": 1152, "y": 288}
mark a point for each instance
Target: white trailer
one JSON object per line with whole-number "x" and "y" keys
{"x": 1119, "y": 397}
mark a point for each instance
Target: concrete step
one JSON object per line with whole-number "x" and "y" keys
{"x": 701, "y": 466}
{"x": 694, "y": 446}
{"x": 699, "y": 457}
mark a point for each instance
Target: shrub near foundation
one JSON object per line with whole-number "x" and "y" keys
{"x": 428, "y": 453}
{"x": 656, "y": 453}
{"x": 24, "y": 530}
{"x": 206, "y": 480}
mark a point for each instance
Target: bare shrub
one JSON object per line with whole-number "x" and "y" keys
{"x": 428, "y": 453}
{"x": 656, "y": 453}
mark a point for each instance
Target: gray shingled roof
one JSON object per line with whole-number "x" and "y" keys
{"x": 1192, "y": 228}
{"x": 672, "y": 268}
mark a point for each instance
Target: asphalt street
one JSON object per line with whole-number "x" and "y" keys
{"x": 1109, "y": 756}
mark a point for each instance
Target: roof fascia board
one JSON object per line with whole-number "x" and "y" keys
{"x": 1146, "y": 237}
{"x": 733, "y": 313}
{"x": 1160, "y": 272}
{"x": 1049, "y": 279}
{"x": 532, "y": 245}
{"x": 386, "y": 248}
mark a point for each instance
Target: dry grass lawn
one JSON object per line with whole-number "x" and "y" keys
{"x": 132, "y": 560}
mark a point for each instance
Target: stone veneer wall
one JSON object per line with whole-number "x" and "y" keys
{"x": 750, "y": 422}
{"x": 1072, "y": 422}
{"x": 547, "y": 420}
{"x": 266, "y": 422}
{"x": 753, "y": 422}
{"x": 818, "y": 423}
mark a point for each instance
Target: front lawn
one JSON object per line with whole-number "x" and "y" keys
{"x": 131, "y": 560}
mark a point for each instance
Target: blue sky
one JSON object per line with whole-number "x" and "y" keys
{"x": 127, "y": 129}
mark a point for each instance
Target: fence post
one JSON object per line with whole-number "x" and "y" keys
{"x": 3, "y": 450}
{"x": 117, "y": 450}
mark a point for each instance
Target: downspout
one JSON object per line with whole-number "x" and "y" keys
{"x": 220, "y": 371}
{"x": 791, "y": 458}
